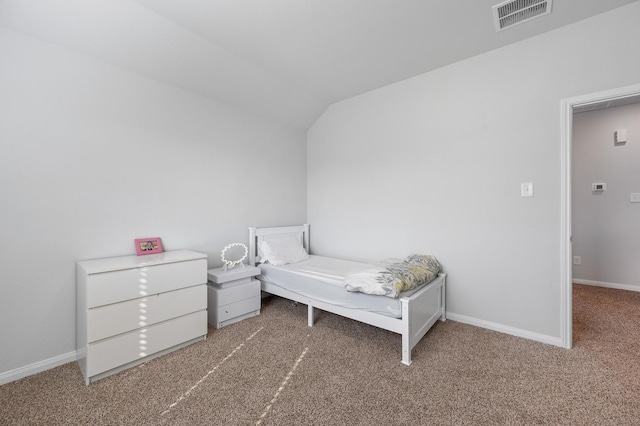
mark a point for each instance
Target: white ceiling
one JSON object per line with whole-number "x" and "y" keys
{"x": 284, "y": 59}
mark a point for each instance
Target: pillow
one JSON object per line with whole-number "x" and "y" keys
{"x": 282, "y": 250}
{"x": 392, "y": 279}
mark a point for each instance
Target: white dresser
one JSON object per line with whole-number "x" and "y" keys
{"x": 134, "y": 308}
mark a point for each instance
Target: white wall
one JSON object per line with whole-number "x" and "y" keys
{"x": 434, "y": 164}
{"x": 94, "y": 156}
{"x": 605, "y": 227}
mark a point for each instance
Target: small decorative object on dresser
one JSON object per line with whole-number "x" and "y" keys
{"x": 148, "y": 246}
{"x": 233, "y": 295}
{"x": 131, "y": 309}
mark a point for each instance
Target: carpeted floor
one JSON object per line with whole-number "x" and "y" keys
{"x": 274, "y": 370}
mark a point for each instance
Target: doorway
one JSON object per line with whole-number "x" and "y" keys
{"x": 620, "y": 95}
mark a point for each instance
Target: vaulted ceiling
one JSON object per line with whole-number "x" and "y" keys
{"x": 287, "y": 60}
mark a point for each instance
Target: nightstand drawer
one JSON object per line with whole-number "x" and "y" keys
{"x": 233, "y": 310}
{"x": 236, "y": 293}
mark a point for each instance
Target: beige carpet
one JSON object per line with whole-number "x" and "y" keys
{"x": 274, "y": 370}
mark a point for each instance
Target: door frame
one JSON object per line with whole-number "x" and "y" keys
{"x": 566, "y": 264}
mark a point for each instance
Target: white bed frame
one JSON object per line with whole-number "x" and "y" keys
{"x": 419, "y": 311}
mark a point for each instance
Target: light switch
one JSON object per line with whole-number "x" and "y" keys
{"x": 598, "y": 187}
{"x": 526, "y": 189}
{"x": 635, "y": 197}
{"x": 620, "y": 137}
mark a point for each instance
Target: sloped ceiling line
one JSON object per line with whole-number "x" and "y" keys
{"x": 286, "y": 60}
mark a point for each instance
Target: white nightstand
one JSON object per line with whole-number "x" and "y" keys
{"x": 233, "y": 295}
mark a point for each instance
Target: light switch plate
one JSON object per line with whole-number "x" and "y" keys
{"x": 635, "y": 197}
{"x": 526, "y": 189}
{"x": 620, "y": 136}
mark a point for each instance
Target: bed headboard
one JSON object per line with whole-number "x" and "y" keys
{"x": 258, "y": 234}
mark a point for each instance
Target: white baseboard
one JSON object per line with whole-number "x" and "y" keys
{"x": 608, "y": 285}
{"x": 543, "y": 338}
{"x": 28, "y": 370}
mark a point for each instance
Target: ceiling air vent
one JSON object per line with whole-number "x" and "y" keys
{"x": 510, "y": 13}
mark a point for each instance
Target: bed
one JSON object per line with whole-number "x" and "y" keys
{"x": 318, "y": 282}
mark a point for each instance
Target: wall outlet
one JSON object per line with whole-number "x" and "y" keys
{"x": 577, "y": 260}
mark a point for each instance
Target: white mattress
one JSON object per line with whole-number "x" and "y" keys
{"x": 321, "y": 278}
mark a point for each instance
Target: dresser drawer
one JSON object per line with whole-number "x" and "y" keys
{"x": 117, "y": 318}
{"x": 236, "y": 293}
{"x": 117, "y": 351}
{"x": 115, "y": 286}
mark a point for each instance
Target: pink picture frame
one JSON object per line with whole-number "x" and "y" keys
{"x": 148, "y": 246}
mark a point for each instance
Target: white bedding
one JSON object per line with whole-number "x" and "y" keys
{"x": 302, "y": 278}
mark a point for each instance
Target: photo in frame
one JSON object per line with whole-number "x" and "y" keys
{"x": 148, "y": 246}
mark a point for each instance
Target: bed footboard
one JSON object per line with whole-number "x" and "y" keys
{"x": 420, "y": 312}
